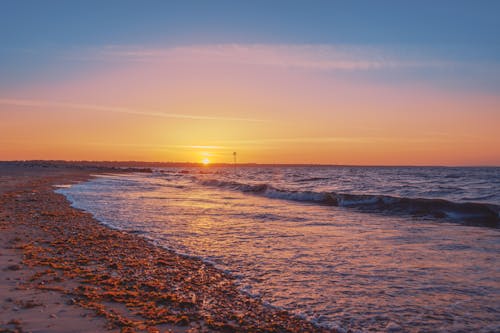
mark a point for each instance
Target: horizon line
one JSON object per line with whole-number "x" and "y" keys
{"x": 248, "y": 164}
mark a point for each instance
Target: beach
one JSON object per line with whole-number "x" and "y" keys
{"x": 375, "y": 258}
{"x": 63, "y": 271}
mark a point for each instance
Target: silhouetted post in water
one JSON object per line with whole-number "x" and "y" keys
{"x": 234, "y": 159}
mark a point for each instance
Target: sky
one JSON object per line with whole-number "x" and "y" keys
{"x": 326, "y": 82}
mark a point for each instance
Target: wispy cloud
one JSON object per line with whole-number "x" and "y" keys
{"x": 302, "y": 56}
{"x": 123, "y": 110}
{"x": 297, "y": 140}
{"x": 340, "y": 139}
{"x": 205, "y": 147}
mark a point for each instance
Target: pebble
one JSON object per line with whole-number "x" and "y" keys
{"x": 393, "y": 327}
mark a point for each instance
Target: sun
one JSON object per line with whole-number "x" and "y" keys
{"x": 205, "y": 161}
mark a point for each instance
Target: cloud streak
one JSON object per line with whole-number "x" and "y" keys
{"x": 299, "y": 56}
{"x": 122, "y": 110}
{"x": 341, "y": 139}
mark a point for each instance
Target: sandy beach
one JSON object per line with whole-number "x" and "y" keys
{"x": 63, "y": 271}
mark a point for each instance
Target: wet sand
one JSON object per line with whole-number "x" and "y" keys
{"x": 63, "y": 271}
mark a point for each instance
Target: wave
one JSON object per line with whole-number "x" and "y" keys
{"x": 469, "y": 213}
{"x": 311, "y": 179}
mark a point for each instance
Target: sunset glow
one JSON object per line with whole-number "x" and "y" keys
{"x": 275, "y": 101}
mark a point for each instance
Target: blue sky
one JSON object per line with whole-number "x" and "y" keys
{"x": 36, "y": 36}
{"x": 70, "y": 23}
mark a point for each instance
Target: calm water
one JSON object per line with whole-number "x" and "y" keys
{"x": 356, "y": 248}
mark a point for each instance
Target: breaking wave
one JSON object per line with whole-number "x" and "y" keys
{"x": 470, "y": 213}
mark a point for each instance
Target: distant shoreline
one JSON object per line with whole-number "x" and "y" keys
{"x": 143, "y": 164}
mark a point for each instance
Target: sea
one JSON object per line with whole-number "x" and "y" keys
{"x": 366, "y": 249}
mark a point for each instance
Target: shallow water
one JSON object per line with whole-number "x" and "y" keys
{"x": 337, "y": 266}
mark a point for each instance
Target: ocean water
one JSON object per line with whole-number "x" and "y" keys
{"x": 361, "y": 248}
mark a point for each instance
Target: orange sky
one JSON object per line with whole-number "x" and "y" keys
{"x": 271, "y": 104}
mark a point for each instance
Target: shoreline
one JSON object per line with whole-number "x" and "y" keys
{"x": 158, "y": 164}
{"x": 62, "y": 267}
